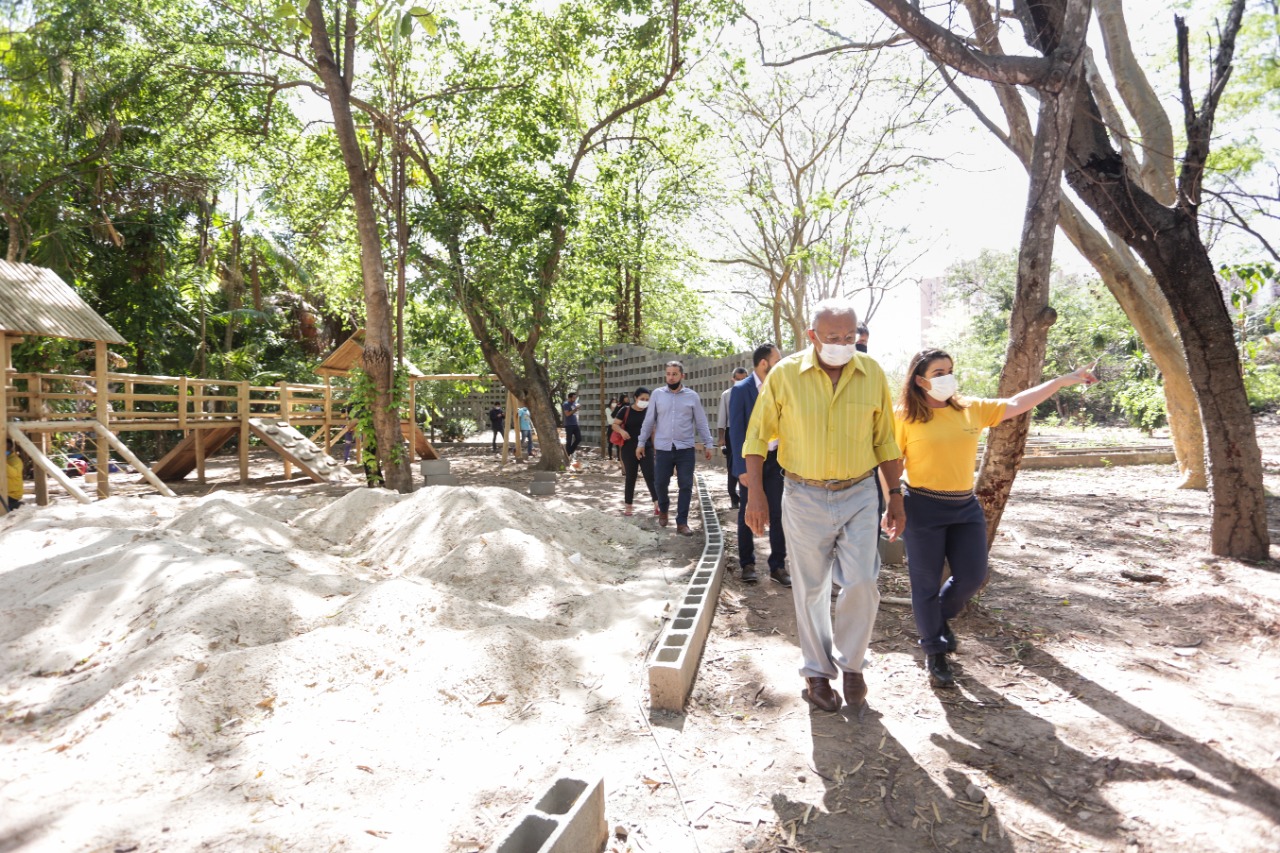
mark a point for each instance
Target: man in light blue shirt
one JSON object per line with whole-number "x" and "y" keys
{"x": 526, "y": 429}
{"x": 675, "y": 423}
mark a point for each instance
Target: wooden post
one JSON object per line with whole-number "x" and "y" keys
{"x": 36, "y": 388}
{"x": 183, "y": 391}
{"x": 506, "y": 425}
{"x": 328, "y": 414}
{"x": 4, "y": 419}
{"x": 285, "y": 407}
{"x": 39, "y": 459}
{"x": 103, "y": 416}
{"x": 199, "y": 412}
{"x": 413, "y": 418}
{"x": 242, "y": 412}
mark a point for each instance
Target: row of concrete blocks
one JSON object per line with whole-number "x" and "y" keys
{"x": 679, "y": 649}
{"x": 568, "y": 818}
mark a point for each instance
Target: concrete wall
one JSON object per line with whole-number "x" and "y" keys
{"x": 627, "y": 367}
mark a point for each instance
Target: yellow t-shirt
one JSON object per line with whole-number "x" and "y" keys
{"x": 939, "y": 454}
{"x": 14, "y": 461}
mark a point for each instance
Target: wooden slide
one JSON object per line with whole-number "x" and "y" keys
{"x": 284, "y": 440}
{"x": 181, "y": 460}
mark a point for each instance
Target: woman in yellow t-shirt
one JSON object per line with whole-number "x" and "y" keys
{"x": 13, "y": 500}
{"x": 937, "y": 433}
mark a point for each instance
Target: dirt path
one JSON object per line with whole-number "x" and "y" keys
{"x": 1118, "y": 691}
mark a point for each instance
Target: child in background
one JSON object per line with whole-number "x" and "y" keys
{"x": 13, "y": 500}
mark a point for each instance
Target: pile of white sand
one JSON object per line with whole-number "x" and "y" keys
{"x": 250, "y": 671}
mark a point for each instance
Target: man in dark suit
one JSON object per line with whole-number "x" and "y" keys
{"x": 742, "y": 399}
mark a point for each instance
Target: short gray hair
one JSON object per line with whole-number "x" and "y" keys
{"x": 834, "y": 306}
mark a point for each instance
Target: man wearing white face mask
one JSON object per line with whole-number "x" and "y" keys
{"x": 938, "y": 434}
{"x": 830, "y": 410}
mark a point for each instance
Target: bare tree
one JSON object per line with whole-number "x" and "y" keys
{"x": 1165, "y": 235}
{"x": 812, "y": 151}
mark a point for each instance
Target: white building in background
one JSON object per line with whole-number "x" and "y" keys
{"x": 931, "y": 306}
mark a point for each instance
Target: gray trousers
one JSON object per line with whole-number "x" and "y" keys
{"x": 833, "y": 536}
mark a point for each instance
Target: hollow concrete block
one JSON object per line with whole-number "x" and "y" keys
{"x": 440, "y": 480}
{"x": 567, "y": 818}
{"x": 542, "y": 488}
{"x": 433, "y": 467}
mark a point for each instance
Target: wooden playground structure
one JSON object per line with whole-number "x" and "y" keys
{"x": 209, "y": 412}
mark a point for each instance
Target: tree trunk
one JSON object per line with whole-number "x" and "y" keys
{"x": 1031, "y": 316}
{"x": 1144, "y": 304}
{"x": 1168, "y": 241}
{"x": 13, "y": 223}
{"x": 378, "y": 359}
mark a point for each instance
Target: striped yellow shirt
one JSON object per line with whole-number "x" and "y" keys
{"x": 824, "y": 433}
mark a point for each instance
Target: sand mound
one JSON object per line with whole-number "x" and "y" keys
{"x": 162, "y": 653}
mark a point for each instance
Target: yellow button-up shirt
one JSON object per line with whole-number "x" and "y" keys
{"x": 824, "y": 433}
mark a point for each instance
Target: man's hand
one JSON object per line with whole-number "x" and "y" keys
{"x": 895, "y": 518}
{"x": 639, "y": 451}
{"x": 757, "y": 517}
{"x": 708, "y": 452}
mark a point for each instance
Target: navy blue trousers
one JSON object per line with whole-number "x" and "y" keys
{"x": 773, "y": 487}
{"x": 681, "y": 462}
{"x": 936, "y": 530}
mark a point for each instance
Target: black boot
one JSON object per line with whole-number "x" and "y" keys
{"x": 940, "y": 674}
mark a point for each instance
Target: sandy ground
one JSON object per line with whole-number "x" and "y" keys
{"x": 294, "y": 666}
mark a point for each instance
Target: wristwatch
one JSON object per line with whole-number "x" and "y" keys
{"x": 896, "y": 490}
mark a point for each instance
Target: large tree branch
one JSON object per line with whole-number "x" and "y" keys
{"x": 947, "y": 47}
{"x": 674, "y": 64}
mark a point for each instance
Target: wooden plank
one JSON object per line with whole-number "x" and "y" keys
{"x": 181, "y": 461}
{"x": 20, "y": 439}
{"x": 103, "y": 412}
{"x": 4, "y": 418}
{"x": 242, "y": 413}
{"x": 128, "y": 456}
{"x": 292, "y": 445}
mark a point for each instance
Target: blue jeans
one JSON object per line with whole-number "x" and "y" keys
{"x": 773, "y": 486}
{"x": 527, "y": 435}
{"x": 833, "y": 536}
{"x": 937, "y": 530}
{"x": 681, "y": 462}
{"x": 572, "y": 438}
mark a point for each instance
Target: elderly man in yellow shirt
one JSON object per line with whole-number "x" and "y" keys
{"x": 830, "y": 409}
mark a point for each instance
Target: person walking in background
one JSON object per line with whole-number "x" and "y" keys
{"x": 675, "y": 423}
{"x": 497, "y": 420}
{"x": 938, "y": 433}
{"x": 627, "y": 422}
{"x": 572, "y": 432}
{"x": 526, "y": 429}
{"x": 742, "y": 401}
{"x": 831, "y": 412}
{"x": 607, "y": 419}
{"x": 739, "y": 374}
{"x": 864, "y": 335}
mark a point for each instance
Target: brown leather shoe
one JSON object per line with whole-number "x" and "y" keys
{"x": 855, "y": 689}
{"x": 820, "y": 695}
{"x": 662, "y": 518}
{"x": 684, "y": 530}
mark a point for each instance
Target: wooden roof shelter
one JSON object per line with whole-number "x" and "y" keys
{"x": 35, "y": 302}
{"x": 350, "y": 354}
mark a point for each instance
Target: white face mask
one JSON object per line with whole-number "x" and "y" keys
{"x": 837, "y": 355}
{"x": 943, "y": 388}
{"x": 640, "y": 404}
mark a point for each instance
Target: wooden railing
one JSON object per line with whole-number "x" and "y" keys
{"x": 139, "y": 402}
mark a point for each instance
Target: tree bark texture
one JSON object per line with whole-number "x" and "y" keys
{"x": 1031, "y": 317}
{"x": 1132, "y": 286}
{"x": 378, "y": 352}
{"x": 1168, "y": 241}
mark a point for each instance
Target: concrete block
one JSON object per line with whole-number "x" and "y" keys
{"x": 432, "y": 467}
{"x": 893, "y": 553}
{"x": 440, "y": 480}
{"x": 542, "y": 488}
{"x": 675, "y": 660}
{"x": 567, "y": 818}
{"x": 545, "y": 476}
